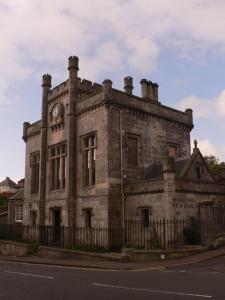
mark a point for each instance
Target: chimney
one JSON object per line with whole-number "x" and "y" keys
{"x": 150, "y": 90}
{"x": 144, "y": 88}
{"x": 128, "y": 85}
{"x": 155, "y": 91}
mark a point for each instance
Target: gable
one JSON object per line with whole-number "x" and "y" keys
{"x": 197, "y": 169}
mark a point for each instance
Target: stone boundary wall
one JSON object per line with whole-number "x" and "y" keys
{"x": 10, "y": 248}
{"x": 133, "y": 255}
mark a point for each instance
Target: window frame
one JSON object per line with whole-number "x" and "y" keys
{"x": 35, "y": 172}
{"x": 140, "y": 210}
{"x": 87, "y": 214}
{"x": 88, "y": 149}
{"x": 176, "y": 147}
{"x": 136, "y": 137}
{"x": 57, "y": 166}
{"x": 19, "y": 213}
{"x": 199, "y": 171}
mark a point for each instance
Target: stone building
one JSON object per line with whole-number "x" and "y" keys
{"x": 99, "y": 156}
{"x": 15, "y": 208}
{"x": 8, "y": 186}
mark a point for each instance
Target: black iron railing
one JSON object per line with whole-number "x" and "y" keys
{"x": 156, "y": 234}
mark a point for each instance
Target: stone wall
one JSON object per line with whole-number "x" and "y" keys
{"x": 144, "y": 194}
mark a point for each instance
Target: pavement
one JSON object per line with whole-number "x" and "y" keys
{"x": 118, "y": 265}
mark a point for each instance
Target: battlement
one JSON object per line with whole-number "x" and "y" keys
{"x": 148, "y": 102}
{"x": 84, "y": 86}
{"x": 59, "y": 89}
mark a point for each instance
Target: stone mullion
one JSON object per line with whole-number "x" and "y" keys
{"x": 90, "y": 160}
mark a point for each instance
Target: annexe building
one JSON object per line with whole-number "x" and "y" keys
{"x": 99, "y": 156}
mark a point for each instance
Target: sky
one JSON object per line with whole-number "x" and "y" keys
{"x": 180, "y": 44}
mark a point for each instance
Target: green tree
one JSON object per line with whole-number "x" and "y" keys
{"x": 3, "y": 201}
{"x": 214, "y": 164}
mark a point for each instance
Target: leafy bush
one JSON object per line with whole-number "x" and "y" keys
{"x": 89, "y": 248}
{"x": 192, "y": 233}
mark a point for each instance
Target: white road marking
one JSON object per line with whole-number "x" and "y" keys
{"x": 150, "y": 291}
{"x": 169, "y": 271}
{"x": 28, "y": 274}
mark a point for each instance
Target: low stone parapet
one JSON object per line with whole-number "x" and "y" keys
{"x": 11, "y": 248}
{"x": 134, "y": 255}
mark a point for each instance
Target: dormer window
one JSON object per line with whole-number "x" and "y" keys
{"x": 198, "y": 172}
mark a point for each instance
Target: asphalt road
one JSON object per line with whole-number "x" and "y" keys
{"x": 26, "y": 281}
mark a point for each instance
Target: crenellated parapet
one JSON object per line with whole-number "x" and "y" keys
{"x": 46, "y": 80}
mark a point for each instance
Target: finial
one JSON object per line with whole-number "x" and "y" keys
{"x": 196, "y": 144}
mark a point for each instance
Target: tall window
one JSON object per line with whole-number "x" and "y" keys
{"x": 33, "y": 218}
{"x": 132, "y": 148}
{"x": 18, "y": 213}
{"x": 35, "y": 162}
{"x": 89, "y": 158}
{"x": 58, "y": 166}
{"x": 145, "y": 217}
{"x": 87, "y": 212}
{"x": 172, "y": 151}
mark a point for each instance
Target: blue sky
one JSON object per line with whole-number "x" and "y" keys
{"x": 178, "y": 43}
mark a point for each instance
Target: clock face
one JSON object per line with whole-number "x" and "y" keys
{"x": 56, "y": 111}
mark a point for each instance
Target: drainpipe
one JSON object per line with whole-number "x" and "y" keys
{"x": 121, "y": 176}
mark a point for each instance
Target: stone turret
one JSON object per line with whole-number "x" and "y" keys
{"x": 107, "y": 89}
{"x": 46, "y": 86}
{"x": 73, "y": 71}
{"x": 25, "y": 127}
{"x": 189, "y": 113}
{"x": 71, "y": 175}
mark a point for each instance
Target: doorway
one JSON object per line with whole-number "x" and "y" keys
{"x": 56, "y": 224}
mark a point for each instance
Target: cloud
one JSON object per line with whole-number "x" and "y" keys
{"x": 207, "y": 148}
{"x": 204, "y": 108}
{"x": 108, "y": 36}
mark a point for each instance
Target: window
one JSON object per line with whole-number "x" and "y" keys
{"x": 33, "y": 218}
{"x": 132, "y": 150}
{"x": 87, "y": 217}
{"x": 58, "y": 166}
{"x": 35, "y": 162}
{"x": 198, "y": 172}
{"x": 18, "y": 213}
{"x": 145, "y": 217}
{"x": 172, "y": 151}
{"x": 89, "y": 159}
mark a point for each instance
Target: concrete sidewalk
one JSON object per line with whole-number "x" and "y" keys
{"x": 117, "y": 265}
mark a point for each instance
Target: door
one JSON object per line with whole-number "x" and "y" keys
{"x": 56, "y": 225}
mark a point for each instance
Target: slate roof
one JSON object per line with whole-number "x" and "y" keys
{"x": 17, "y": 196}
{"x": 155, "y": 171}
{"x": 8, "y": 182}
